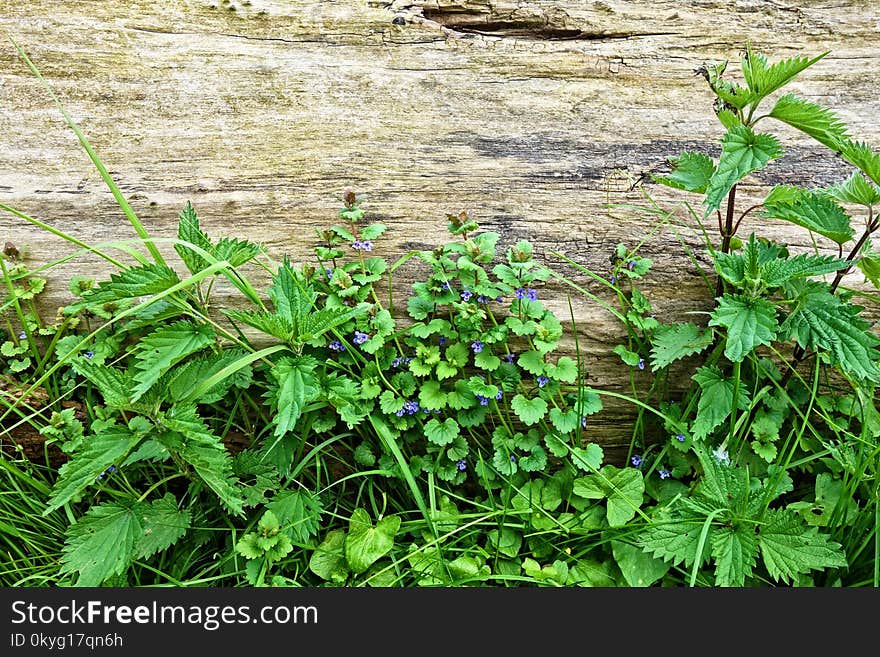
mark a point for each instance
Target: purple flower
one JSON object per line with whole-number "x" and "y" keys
{"x": 584, "y": 422}
{"x": 396, "y": 362}
{"x": 498, "y": 299}
{"x": 499, "y": 395}
{"x": 360, "y": 338}
{"x": 109, "y": 470}
{"x": 482, "y": 299}
{"x": 680, "y": 437}
{"x": 22, "y": 336}
{"x": 542, "y": 381}
{"x": 441, "y": 340}
{"x": 445, "y": 286}
{"x": 631, "y": 265}
{"x": 461, "y": 464}
{"x": 509, "y": 357}
{"x": 329, "y": 273}
{"x": 356, "y": 245}
{"x": 613, "y": 279}
{"x": 477, "y": 346}
{"x": 399, "y": 412}
{"x": 664, "y": 474}
{"x": 520, "y": 293}
{"x": 366, "y": 245}
{"x": 336, "y": 345}
{"x": 512, "y": 458}
{"x": 410, "y": 407}
{"x": 641, "y": 363}
{"x": 89, "y": 355}
{"x": 532, "y": 295}
{"x": 466, "y": 295}
{"x": 636, "y": 461}
{"x": 484, "y": 401}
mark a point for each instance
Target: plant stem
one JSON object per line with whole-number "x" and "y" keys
{"x": 727, "y": 234}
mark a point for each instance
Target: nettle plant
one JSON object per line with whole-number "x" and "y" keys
{"x": 780, "y": 419}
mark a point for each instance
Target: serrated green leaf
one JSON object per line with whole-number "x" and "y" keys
{"x": 565, "y": 370}
{"x": 102, "y": 542}
{"x": 763, "y": 78}
{"x": 100, "y": 451}
{"x": 191, "y": 438}
{"x": 165, "y": 347}
{"x": 788, "y": 548}
{"x": 716, "y": 400}
{"x": 672, "y": 342}
{"x": 735, "y": 551}
{"x": 750, "y": 323}
{"x": 294, "y": 386}
{"x": 365, "y": 544}
{"x": 372, "y": 231}
{"x": 182, "y": 379}
{"x": 811, "y": 210}
{"x": 814, "y": 120}
{"x": 564, "y": 421}
{"x": 141, "y": 281}
{"x": 742, "y": 152}
{"x": 855, "y": 189}
{"x": 863, "y": 157}
{"x": 690, "y": 172}
{"x": 587, "y": 458}
{"x": 115, "y": 386}
{"x": 162, "y": 525}
{"x": 819, "y": 319}
{"x": 532, "y": 362}
{"x": 674, "y": 538}
{"x": 188, "y": 230}
{"x": 235, "y": 251}
{"x": 328, "y": 560}
{"x": 298, "y": 512}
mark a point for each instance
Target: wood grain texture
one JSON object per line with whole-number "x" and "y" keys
{"x": 533, "y": 115}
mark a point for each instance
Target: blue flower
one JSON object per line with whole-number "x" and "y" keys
{"x": 336, "y": 345}
{"x": 520, "y": 293}
{"x": 641, "y": 363}
{"x": 461, "y": 464}
{"x": 466, "y": 295}
{"x": 399, "y": 412}
{"x": 664, "y": 474}
{"x": 109, "y": 470}
{"x": 482, "y": 299}
{"x": 631, "y": 265}
{"x": 477, "y": 346}
{"x": 542, "y": 381}
{"x": 498, "y": 299}
{"x": 441, "y": 340}
{"x": 366, "y": 245}
{"x": 508, "y": 358}
{"x": 329, "y": 273}
{"x": 584, "y": 422}
{"x": 410, "y": 407}
{"x": 445, "y": 286}
{"x": 360, "y": 338}
{"x": 89, "y": 355}
{"x": 532, "y": 295}
{"x": 499, "y": 395}
{"x": 484, "y": 401}
{"x": 680, "y": 437}
{"x": 613, "y": 279}
{"x": 636, "y": 461}
{"x": 22, "y": 336}
{"x": 512, "y": 458}
{"x": 396, "y": 362}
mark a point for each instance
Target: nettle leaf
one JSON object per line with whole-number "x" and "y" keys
{"x": 623, "y": 488}
{"x": 115, "y": 386}
{"x": 530, "y": 411}
{"x": 863, "y": 157}
{"x": 821, "y": 320}
{"x": 142, "y": 281}
{"x": 183, "y": 379}
{"x": 102, "y": 542}
{"x": 673, "y": 342}
{"x": 298, "y": 512}
{"x": 742, "y": 152}
{"x": 235, "y": 251}
{"x": 716, "y": 400}
{"x": 165, "y": 347}
{"x": 855, "y": 189}
{"x": 366, "y": 544}
{"x": 735, "y": 550}
{"x": 441, "y": 433}
{"x": 789, "y": 548}
{"x": 811, "y": 210}
{"x": 295, "y": 385}
{"x": 188, "y": 230}
{"x": 100, "y": 451}
{"x": 190, "y": 437}
{"x": 780, "y": 271}
{"x": 749, "y": 322}
{"x": 690, "y": 172}
{"x": 162, "y": 525}
{"x": 674, "y": 537}
{"x": 814, "y": 120}
{"x": 763, "y": 78}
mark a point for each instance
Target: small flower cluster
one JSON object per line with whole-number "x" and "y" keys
{"x": 542, "y": 381}
{"x": 484, "y": 401}
{"x": 336, "y": 345}
{"x": 359, "y": 337}
{"x": 358, "y": 245}
{"x": 409, "y": 408}
{"x": 526, "y": 293}
{"x": 400, "y": 360}
{"x": 477, "y": 346}
{"x": 108, "y": 471}
{"x": 461, "y": 464}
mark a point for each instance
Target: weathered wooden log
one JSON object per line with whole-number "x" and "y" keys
{"x": 537, "y": 116}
